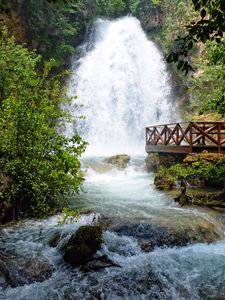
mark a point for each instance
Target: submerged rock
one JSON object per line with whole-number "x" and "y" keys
{"x": 151, "y": 235}
{"x": 16, "y": 271}
{"x": 82, "y": 245}
{"x": 98, "y": 264}
{"x": 53, "y": 242}
{"x": 120, "y": 160}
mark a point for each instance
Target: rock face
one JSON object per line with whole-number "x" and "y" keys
{"x": 120, "y": 160}
{"x": 82, "y": 245}
{"x": 150, "y": 16}
{"x": 156, "y": 160}
{"x": 201, "y": 198}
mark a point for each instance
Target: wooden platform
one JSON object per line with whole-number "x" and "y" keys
{"x": 186, "y": 137}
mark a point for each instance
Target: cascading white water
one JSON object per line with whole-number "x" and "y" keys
{"x": 122, "y": 82}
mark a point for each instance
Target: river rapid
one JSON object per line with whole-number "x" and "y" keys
{"x": 123, "y": 84}
{"x": 127, "y": 197}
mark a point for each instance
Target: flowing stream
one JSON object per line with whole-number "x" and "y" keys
{"x": 123, "y": 84}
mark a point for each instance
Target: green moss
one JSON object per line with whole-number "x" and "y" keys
{"x": 164, "y": 180}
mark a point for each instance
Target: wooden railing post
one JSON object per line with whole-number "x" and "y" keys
{"x": 165, "y": 134}
{"x": 191, "y": 137}
{"x": 203, "y": 138}
{"x": 177, "y": 133}
{"x": 219, "y": 137}
{"x": 146, "y": 136}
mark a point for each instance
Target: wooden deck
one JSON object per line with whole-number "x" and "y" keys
{"x": 186, "y": 137}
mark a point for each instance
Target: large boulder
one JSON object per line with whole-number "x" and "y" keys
{"x": 120, "y": 160}
{"x": 82, "y": 245}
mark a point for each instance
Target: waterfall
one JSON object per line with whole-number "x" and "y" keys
{"x": 122, "y": 83}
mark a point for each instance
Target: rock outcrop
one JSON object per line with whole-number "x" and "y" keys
{"x": 156, "y": 160}
{"x": 119, "y": 160}
{"x": 83, "y": 245}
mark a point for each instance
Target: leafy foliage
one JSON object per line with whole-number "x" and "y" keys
{"x": 56, "y": 28}
{"x": 40, "y": 162}
{"x": 209, "y": 26}
{"x": 213, "y": 173}
{"x": 207, "y": 89}
{"x": 69, "y": 216}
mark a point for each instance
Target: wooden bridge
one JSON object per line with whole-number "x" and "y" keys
{"x": 186, "y": 137}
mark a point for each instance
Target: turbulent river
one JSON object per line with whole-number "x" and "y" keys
{"x": 122, "y": 82}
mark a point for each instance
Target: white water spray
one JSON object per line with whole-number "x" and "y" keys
{"x": 123, "y": 84}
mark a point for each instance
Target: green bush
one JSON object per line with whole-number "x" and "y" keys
{"x": 41, "y": 163}
{"x": 211, "y": 173}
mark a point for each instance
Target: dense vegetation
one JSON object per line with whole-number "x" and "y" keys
{"x": 192, "y": 35}
{"x": 212, "y": 174}
{"x": 56, "y": 30}
{"x": 38, "y": 164}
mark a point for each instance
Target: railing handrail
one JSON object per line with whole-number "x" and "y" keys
{"x": 190, "y": 134}
{"x": 198, "y": 122}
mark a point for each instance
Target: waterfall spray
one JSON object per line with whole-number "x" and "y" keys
{"x": 123, "y": 84}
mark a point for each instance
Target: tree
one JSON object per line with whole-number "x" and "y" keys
{"x": 209, "y": 26}
{"x": 38, "y": 164}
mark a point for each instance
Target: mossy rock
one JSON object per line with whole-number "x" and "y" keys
{"x": 156, "y": 160}
{"x": 82, "y": 245}
{"x": 120, "y": 160}
{"x": 152, "y": 162}
{"x": 202, "y": 198}
{"x": 163, "y": 180}
{"x": 206, "y": 156}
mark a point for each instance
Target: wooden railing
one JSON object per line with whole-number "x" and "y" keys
{"x": 186, "y": 137}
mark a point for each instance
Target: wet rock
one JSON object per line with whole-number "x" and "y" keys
{"x": 120, "y": 160}
{"x": 98, "y": 264}
{"x": 203, "y": 198}
{"x": 37, "y": 269}
{"x": 101, "y": 168}
{"x": 146, "y": 246}
{"x": 55, "y": 240}
{"x": 156, "y": 160}
{"x": 16, "y": 271}
{"x": 82, "y": 245}
{"x": 152, "y": 162}
{"x": 151, "y": 235}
